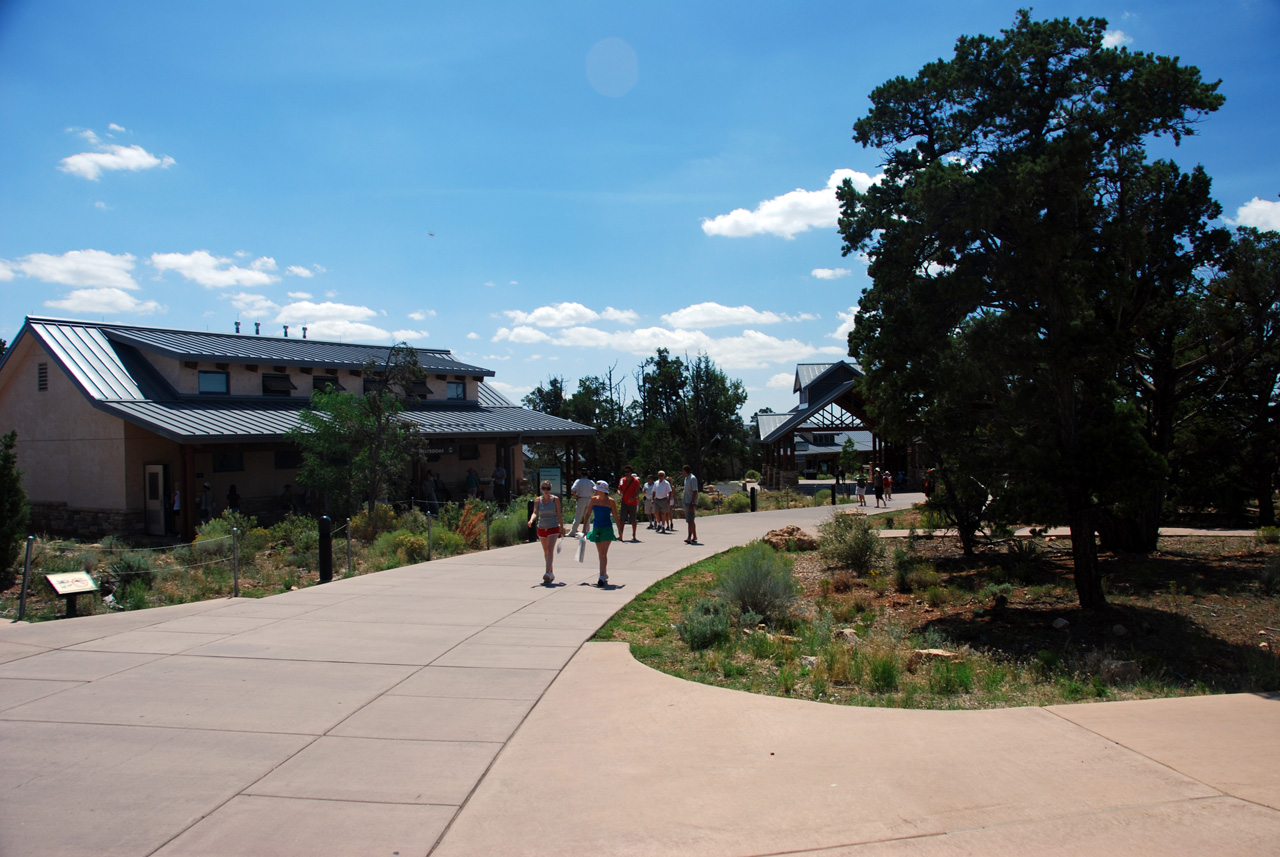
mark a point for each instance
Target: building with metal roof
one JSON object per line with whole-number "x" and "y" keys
{"x": 118, "y": 424}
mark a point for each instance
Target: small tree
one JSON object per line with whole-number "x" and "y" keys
{"x": 14, "y": 512}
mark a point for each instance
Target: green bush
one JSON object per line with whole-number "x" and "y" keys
{"x": 297, "y": 531}
{"x": 705, "y": 502}
{"x": 705, "y": 623}
{"x": 950, "y": 677}
{"x": 410, "y": 546}
{"x": 413, "y": 521}
{"x": 366, "y": 526}
{"x": 884, "y": 671}
{"x": 448, "y": 543}
{"x": 822, "y": 497}
{"x": 244, "y": 523}
{"x": 752, "y": 476}
{"x": 738, "y": 502}
{"x": 130, "y": 568}
{"x": 758, "y": 579}
{"x": 1269, "y": 577}
{"x": 849, "y": 541}
{"x": 1268, "y": 535}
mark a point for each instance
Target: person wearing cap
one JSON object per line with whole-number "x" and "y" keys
{"x": 604, "y": 512}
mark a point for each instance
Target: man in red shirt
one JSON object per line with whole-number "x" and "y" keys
{"x": 629, "y": 509}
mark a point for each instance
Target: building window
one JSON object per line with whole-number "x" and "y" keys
{"x": 372, "y": 385}
{"x": 277, "y": 385}
{"x": 457, "y": 390}
{"x": 419, "y": 389}
{"x": 228, "y": 462}
{"x": 214, "y": 383}
{"x": 42, "y": 377}
{"x": 324, "y": 382}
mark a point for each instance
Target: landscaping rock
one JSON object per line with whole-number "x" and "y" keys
{"x": 920, "y": 656}
{"x": 790, "y": 537}
{"x": 1119, "y": 630}
{"x": 1060, "y": 623}
{"x": 809, "y": 661}
{"x": 849, "y": 636}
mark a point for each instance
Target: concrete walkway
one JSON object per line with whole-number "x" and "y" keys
{"x": 452, "y": 708}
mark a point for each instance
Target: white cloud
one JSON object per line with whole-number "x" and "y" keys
{"x": 299, "y": 271}
{"x": 473, "y": 335}
{"x": 586, "y": 337}
{"x": 422, "y": 315}
{"x": 623, "y": 316}
{"x": 253, "y": 305}
{"x": 797, "y": 211}
{"x": 346, "y": 331}
{"x": 215, "y": 272}
{"x": 90, "y": 165}
{"x": 520, "y": 333}
{"x": 102, "y": 206}
{"x": 1115, "y": 38}
{"x": 566, "y": 314}
{"x": 782, "y": 381}
{"x": 847, "y": 321}
{"x": 830, "y": 273}
{"x": 114, "y": 127}
{"x": 6, "y": 271}
{"x": 105, "y": 300}
{"x": 95, "y": 268}
{"x": 409, "y": 335}
{"x": 306, "y": 312}
{"x": 1259, "y": 213}
{"x": 710, "y": 314}
{"x": 511, "y": 391}
{"x": 489, "y": 283}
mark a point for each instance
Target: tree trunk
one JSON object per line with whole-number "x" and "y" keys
{"x": 1265, "y": 490}
{"x": 1084, "y": 551}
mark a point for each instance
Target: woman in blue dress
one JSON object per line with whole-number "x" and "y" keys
{"x": 604, "y": 513}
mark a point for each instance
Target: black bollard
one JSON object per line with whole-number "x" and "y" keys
{"x": 326, "y": 549}
{"x": 753, "y": 498}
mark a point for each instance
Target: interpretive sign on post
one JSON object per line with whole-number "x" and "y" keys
{"x": 70, "y": 585}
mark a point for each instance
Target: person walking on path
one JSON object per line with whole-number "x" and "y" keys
{"x": 862, "y": 489}
{"x": 648, "y": 501}
{"x": 603, "y": 514}
{"x": 690, "y": 498}
{"x": 499, "y": 477}
{"x": 662, "y": 502}
{"x": 629, "y": 488}
{"x": 582, "y": 491}
{"x": 546, "y": 512}
{"x": 888, "y": 487}
{"x": 877, "y": 485}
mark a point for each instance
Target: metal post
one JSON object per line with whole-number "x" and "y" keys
{"x": 26, "y": 578}
{"x": 834, "y": 487}
{"x": 753, "y": 498}
{"x": 235, "y": 561}
{"x": 326, "y": 549}
{"x": 488, "y": 519}
{"x": 429, "y": 538}
{"x": 349, "y": 571}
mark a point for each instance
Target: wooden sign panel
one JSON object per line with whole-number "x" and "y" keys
{"x": 72, "y": 583}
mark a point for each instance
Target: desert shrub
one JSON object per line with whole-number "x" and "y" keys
{"x": 705, "y": 623}
{"x": 244, "y": 523}
{"x": 296, "y": 531}
{"x": 410, "y": 546}
{"x": 257, "y": 539}
{"x": 758, "y": 579}
{"x": 130, "y": 568}
{"x": 850, "y": 542}
{"x": 472, "y": 522}
{"x": 842, "y": 580}
{"x": 134, "y": 595}
{"x": 950, "y": 677}
{"x": 112, "y": 545}
{"x": 935, "y": 596}
{"x": 737, "y": 502}
{"x": 902, "y": 579}
{"x": 752, "y": 476}
{"x": 366, "y": 526}
{"x": 1269, "y": 577}
{"x": 822, "y": 497}
{"x": 451, "y": 513}
{"x": 413, "y": 521}
{"x": 1268, "y": 535}
{"x": 447, "y": 543}
{"x": 883, "y": 671}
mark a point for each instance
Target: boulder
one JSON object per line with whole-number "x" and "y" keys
{"x": 790, "y": 537}
{"x": 1120, "y": 672}
{"x": 920, "y": 656}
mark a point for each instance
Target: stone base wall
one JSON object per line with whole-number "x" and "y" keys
{"x": 58, "y": 519}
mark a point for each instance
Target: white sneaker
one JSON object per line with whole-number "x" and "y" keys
{"x": 547, "y": 577}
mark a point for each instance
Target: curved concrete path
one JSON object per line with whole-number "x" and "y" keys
{"x": 452, "y": 708}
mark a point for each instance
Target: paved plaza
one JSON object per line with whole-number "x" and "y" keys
{"x": 455, "y": 708}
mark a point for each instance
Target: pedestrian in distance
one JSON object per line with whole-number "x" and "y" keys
{"x": 582, "y": 490}
{"x": 550, "y": 523}
{"x": 604, "y": 512}
{"x": 648, "y": 501}
{"x": 877, "y": 485}
{"x": 662, "y": 502}
{"x": 629, "y": 491}
{"x": 690, "y": 498}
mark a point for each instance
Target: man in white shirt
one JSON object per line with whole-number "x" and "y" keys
{"x": 662, "y": 502}
{"x": 581, "y": 491}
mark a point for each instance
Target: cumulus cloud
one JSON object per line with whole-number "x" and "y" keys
{"x": 111, "y": 156}
{"x": 520, "y": 333}
{"x": 216, "y": 272}
{"x": 585, "y": 337}
{"x": 306, "y": 312}
{"x": 782, "y": 381}
{"x": 253, "y": 305}
{"x": 512, "y": 391}
{"x": 83, "y": 268}
{"x": 347, "y": 331}
{"x": 566, "y": 314}
{"x": 830, "y": 273}
{"x": 299, "y": 271}
{"x": 709, "y": 314}
{"x": 103, "y": 301}
{"x": 797, "y": 211}
{"x": 409, "y": 335}
{"x": 847, "y": 321}
{"x": 114, "y": 127}
{"x": 299, "y": 296}
{"x": 473, "y": 335}
{"x": 1259, "y": 213}
{"x": 623, "y": 316}
{"x": 6, "y": 271}
{"x": 422, "y": 315}
{"x": 1115, "y": 38}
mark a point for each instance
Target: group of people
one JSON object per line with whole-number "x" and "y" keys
{"x": 880, "y": 484}
{"x": 594, "y": 502}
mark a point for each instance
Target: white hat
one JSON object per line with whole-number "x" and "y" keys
{"x": 602, "y": 486}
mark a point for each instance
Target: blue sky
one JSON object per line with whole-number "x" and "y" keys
{"x": 545, "y": 190}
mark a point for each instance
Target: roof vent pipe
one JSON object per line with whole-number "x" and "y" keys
{"x": 304, "y": 331}
{"x": 286, "y": 331}
{"x": 237, "y": 327}
{"x": 257, "y": 328}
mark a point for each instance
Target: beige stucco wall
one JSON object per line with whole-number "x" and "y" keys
{"x": 69, "y": 451}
